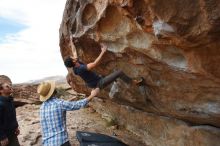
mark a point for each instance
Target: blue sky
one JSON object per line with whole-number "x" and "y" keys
{"x": 9, "y": 27}
{"x": 29, "y": 41}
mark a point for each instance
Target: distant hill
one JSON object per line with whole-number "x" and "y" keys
{"x": 26, "y": 92}
{"x": 58, "y": 79}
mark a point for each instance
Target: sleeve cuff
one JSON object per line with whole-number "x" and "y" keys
{"x": 86, "y": 102}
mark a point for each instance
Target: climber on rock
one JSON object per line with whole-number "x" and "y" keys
{"x": 94, "y": 80}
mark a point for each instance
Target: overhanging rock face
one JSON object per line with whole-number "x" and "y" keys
{"x": 173, "y": 44}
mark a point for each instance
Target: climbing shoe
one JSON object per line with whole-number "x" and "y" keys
{"x": 139, "y": 81}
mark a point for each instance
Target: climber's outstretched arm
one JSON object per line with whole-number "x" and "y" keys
{"x": 92, "y": 65}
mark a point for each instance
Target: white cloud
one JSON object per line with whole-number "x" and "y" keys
{"x": 32, "y": 53}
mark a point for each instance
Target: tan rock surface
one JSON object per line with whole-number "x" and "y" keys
{"x": 158, "y": 130}
{"x": 25, "y": 93}
{"x": 180, "y": 67}
{"x": 173, "y": 44}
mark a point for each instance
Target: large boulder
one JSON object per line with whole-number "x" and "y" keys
{"x": 173, "y": 44}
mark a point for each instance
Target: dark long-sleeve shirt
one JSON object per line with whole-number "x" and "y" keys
{"x": 90, "y": 77}
{"x": 8, "y": 121}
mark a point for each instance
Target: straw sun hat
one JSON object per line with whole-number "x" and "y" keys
{"x": 46, "y": 89}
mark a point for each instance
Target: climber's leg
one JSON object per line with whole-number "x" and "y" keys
{"x": 118, "y": 74}
{"x": 109, "y": 79}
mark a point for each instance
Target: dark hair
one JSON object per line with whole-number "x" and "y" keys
{"x": 54, "y": 93}
{"x": 1, "y": 86}
{"x": 69, "y": 62}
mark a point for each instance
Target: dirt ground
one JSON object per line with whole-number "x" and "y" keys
{"x": 81, "y": 120}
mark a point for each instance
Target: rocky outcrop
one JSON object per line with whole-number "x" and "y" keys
{"x": 158, "y": 130}
{"x": 25, "y": 94}
{"x": 22, "y": 93}
{"x": 173, "y": 44}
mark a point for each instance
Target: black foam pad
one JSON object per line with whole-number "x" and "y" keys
{"x": 97, "y": 139}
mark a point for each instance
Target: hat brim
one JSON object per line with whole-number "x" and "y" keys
{"x": 52, "y": 88}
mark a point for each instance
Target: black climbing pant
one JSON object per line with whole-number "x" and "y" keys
{"x": 105, "y": 81}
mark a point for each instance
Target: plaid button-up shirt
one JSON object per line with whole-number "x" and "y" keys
{"x": 53, "y": 119}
